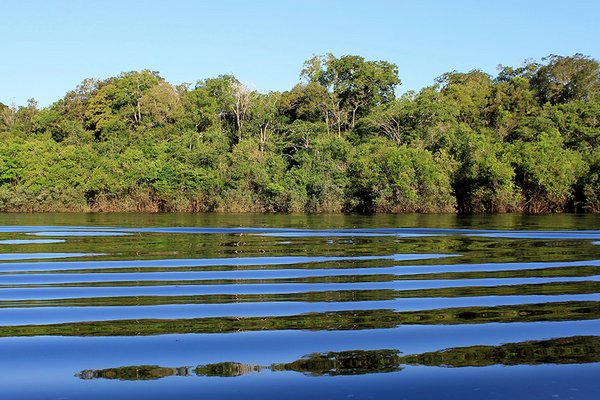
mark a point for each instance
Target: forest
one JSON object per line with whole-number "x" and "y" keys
{"x": 341, "y": 140}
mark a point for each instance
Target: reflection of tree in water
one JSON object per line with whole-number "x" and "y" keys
{"x": 548, "y": 288}
{"x": 134, "y": 373}
{"x": 571, "y": 350}
{"x": 225, "y": 369}
{"x": 334, "y": 320}
{"x": 354, "y": 362}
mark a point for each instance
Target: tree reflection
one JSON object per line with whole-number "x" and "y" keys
{"x": 335, "y": 320}
{"x": 569, "y": 350}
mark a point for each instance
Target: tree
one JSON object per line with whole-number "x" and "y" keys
{"x": 546, "y": 172}
{"x": 512, "y": 101}
{"x": 130, "y": 89}
{"x": 118, "y": 102}
{"x": 563, "y": 79}
{"x": 7, "y": 117}
{"x": 75, "y": 102}
{"x": 233, "y": 101}
{"x": 264, "y": 117}
{"x": 470, "y": 93}
{"x": 357, "y": 85}
{"x": 484, "y": 180}
{"x": 162, "y": 104}
{"x": 300, "y": 135}
{"x": 319, "y": 174}
{"x": 306, "y": 102}
{"x": 24, "y": 115}
{"x": 589, "y": 184}
{"x": 526, "y": 140}
{"x": 243, "y": 97}
{"x": 388, "y": 178}
{"x": 578, "y": 123}
{"x": 201, "y": 109}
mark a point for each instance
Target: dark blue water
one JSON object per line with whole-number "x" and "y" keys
{"x": 333, "y": 307}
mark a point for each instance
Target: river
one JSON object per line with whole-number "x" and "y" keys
{"x": 156, "y": 306}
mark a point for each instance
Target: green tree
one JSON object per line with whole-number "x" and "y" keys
{"x": 340, "y": 141}
{"x": 233, "y": 99}
{"x": 306, "y": 102}
{"x": 117, "y": 103}
{"x": 388, "y": 178}
{"x": 470, "y": 93}
{"x": 484, "y": 181}
{"x": 546, "y": 172}
{"x": 513, "y": 101}
{"x": 7, "y": 117}
{"x": 563, "y": 79}
{"x": 162, "y": 105}
{"x": 264, "y": 121}
{"x": 357, "y": 85}
{"x": 24, "y": 116}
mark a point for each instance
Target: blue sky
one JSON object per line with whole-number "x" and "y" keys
{"x": 47, "y": 47}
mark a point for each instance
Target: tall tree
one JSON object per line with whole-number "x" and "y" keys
{"x": 357, "y": 85}
{"x": 264, "y": 117}
{"x": 471, "y": 94}
{"x": 564, "y": 79}
{"x": 7, "y": 117}
{"x": 243, "y": 97}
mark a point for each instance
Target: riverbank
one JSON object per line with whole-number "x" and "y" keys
{"x": 337, "y": 142}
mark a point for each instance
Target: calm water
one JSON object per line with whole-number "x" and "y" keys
{"x": 128, "y": 306}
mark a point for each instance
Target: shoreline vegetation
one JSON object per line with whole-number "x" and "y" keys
{"x": 525, "y": 140}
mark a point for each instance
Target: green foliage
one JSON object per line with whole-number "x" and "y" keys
{"x": 10, "y": 163}
{"x": 512, "y": 102}
{"x": 356, "y": 85}
{"x": 340, "y": 141}
{"x": 398, "y": 179}
{"x": 590, "y": 184}
{"x": 484, "y": 182}
{"x": 7, "y": 118}
{"x": 470, "y": 93}
{"x": 565, "y": 79}
{"x": 307, "y": 102}
{"x": 546, "y": 172}
{"x": 320, "y": 175}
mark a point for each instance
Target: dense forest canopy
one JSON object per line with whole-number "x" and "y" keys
{"x": 339, "y": 141}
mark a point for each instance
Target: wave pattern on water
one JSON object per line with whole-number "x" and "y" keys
{"x": 170, "y": 283}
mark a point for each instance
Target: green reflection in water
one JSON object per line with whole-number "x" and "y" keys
{"x": 554, "y": 272}
{"x": 341, "y": 320}
{"x": 154, "y": 246}
{"x": 569, "y": 350}
{"x": 312, "y": 221}
{"x": 226, "y": 369}
{"x": 552, "y": 288}
{"x": 134, "y": 373}
{"x": 356, "y": 362}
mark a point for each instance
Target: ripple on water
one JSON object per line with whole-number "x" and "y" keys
{"x": 32, "y": 241}
{"x": 78, "y": 233}
{"x": 35, "y": 256}
{"x": 385, "y": 306}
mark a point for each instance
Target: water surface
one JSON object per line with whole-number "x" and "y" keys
{"x": 121, "y": 306}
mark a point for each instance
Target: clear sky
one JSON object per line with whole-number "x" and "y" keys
{"x": 47, "y": 47}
